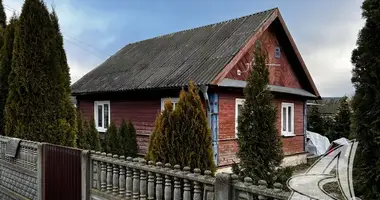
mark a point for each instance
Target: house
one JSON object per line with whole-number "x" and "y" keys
{"x": 327, "y": 106}
{"x": 134, "y": 82}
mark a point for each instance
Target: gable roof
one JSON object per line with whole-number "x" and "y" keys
{"x": 172, "y": 60}
{"x": 201, "y": 55}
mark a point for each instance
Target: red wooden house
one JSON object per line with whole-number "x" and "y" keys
{"x": 133, "y": 83}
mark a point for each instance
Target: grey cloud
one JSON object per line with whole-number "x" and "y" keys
{"x": 326, "y": 47}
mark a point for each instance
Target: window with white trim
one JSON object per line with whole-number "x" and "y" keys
{"x": 173, "y": 100}
{"x": 238, "y": 106}
{"x": 287, "y": 119}
{"x": 102, "y": 113}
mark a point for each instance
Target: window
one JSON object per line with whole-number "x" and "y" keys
{"x": 277, "y": 52}
{"x": 287, "y": 119}
{"x": 102, "y": 115}
{"x": 174, "y": 102}
{"x": 238, "y": 106}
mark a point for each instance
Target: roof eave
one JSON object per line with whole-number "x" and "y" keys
{"x": 230, "y": 83}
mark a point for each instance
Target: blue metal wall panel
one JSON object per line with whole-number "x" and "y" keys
{"x": 214, "y": 121}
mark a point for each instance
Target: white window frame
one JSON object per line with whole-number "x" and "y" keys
{"x": 287, "y": 133}
{"x": 96, "y": 104}
{"x": 238, "y": 102}
{"x": 173, "y": 100}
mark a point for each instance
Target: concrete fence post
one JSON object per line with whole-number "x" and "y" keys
{"x": 85, "y": 167}
{"x": 223, "y": 186}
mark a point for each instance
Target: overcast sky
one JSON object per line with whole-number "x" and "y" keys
{"x": 325, "y": 31}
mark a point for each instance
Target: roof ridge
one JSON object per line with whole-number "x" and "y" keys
{"x": 225, "y": 21}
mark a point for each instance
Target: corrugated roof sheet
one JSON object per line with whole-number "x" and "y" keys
{"x": 173, "y": 60}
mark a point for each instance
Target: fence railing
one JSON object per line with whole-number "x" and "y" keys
{"x": 58, "y": 172}
{"x": 114, "y": 177}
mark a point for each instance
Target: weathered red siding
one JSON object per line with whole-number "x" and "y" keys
{"x": 142, "y": 113}
{"x": 282, "y": 75}
{"x": 227, "y": 141}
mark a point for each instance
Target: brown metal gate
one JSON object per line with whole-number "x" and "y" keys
{"x": 61, "y": 173}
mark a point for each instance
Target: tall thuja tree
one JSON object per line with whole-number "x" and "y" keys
{"x": 66, "y": 110}
{"x": 34, "y": 108}
{"x": 260, "y": 147}
{"x": 366, "y": 102}
{"x": 3, "y": 17}
{"x": 315, "y": 122}
{"x": 6, "y": 53}
{"x": 342, "y": 121}
{"x": 3, "y": 23}
{"x": 190, "y": 143}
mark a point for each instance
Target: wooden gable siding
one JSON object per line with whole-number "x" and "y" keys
{"x": 228, "y": 143}
{"x": 282, "y": 75}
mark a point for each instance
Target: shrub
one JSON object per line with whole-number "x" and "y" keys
{"x": 131, "y": 141}
{"x": 92, "y": 134}
{"x": 159, "y": 141}
{"x": 182, "y": 135}
{"x": 82, "y": 132}
{"x": 113, "y": 140}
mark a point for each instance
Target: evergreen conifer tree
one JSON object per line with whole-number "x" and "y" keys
{"x": 342, "y": 121}
{"x": 113, "y": 140}
{"x": 93, "y": 139}
{"x": 315, "y": 122}
{"x": 82, "y": 131}
{"x": 366, "y": 102}
{"x": 6, "y": 66}
{"x": 38, "y": 106}
{"x": 3, "y": 17}
{"x": 123, "y": 129}
{"x": 190, "y": 140}
{"x": 260, "y": 147}
{"x": 131, "y": 142}
{"x": 65, "y": 108}
{"x": 159, "y": 140}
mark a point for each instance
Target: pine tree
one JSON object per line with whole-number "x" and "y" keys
{"x": 190, "y": 140}
{"x": 6, "y": 66}
{"x": 130, "y": 141}
{"x": 260, "y": 147}
{"x": 342, "y": 121}
{"x": 93, "y": 139}
{"x": 366, "y": 102}
{"x": 82, "y": 131}
{"x": 315, "y": 122}
{"x": 113, "y": 140}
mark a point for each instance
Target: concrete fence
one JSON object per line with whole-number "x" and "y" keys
{"x": 20, "y": 169}
{"x": 114, "y": 177}
{"x": 24, "y": 171}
